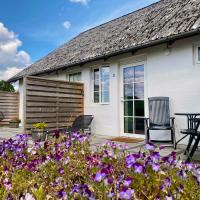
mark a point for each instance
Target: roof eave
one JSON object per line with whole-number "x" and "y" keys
{"x": 138, "y": 47}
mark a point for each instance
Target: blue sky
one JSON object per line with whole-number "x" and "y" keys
{"x": 33, "y": 28}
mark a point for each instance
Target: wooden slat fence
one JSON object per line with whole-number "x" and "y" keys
{"x": 9, "y": 106}
{"x": 54, "y": 102}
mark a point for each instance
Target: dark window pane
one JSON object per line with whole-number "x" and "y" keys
{"x": 128, "y": 91}
{"x": 96, "y": 97}
{"x": 96, "y": 74}
{"x": 139, "y": 91}
{"x": 128, "y": 74}
{"x": 139, "y": 74}
{"x": 139, "y": 108}
{"x": 128, "y": 108}
{"x": 128, "y": 125}
{"x": 96, "y": 85}
{"x": 198, "y": 53}
{"x": 139, "y": 126}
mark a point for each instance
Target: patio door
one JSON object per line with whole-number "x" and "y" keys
{"x": 132, "y": 100}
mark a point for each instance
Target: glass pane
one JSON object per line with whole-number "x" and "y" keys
{"x": 139, "y": 126}
{"x": 128, "y": 125}
{"x": 128, "y": 91}
{"x": 128, "y": 74}
{"x": 105, "y": 97}
{"x": 96, "y": 97}
{"x": 198, "y": 53}
{"x": 71, "y": 78}
{"x": 79, "y": 76}
{"x": 105, "y": 83}
{"x": 139, "y": 91}
{"x": 75, "y": 77}
{"x": 139, "y": 74}
{"x": 96, "y": 85}
{"x": 139, "y": 108}
{"x": 128, "y": 108}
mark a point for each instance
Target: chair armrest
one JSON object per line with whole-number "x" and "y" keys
{"x": 172, "y": 120}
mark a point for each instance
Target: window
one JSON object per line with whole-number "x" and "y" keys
{"x": 101, "y": 84}
{"x": 75, "y": 77}
{"x": 198, "y": 53}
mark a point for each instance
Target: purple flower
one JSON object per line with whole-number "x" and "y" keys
{"x": 149, "y": 146}
{"x": 99, "y": 176}
{"x": 155, "y": 156}
{"x": 180, "y": 188}
{"x": 182, "y": 174}
{"x": 61, "y": 171}
{"x": 138, "y": 168}
{"x": 155, "y": 167}
{"x": 61, "y": 194}
{"x": 108, "y": 181}
{"x": 126, "y": 193}
{"x": 169, "y": 198}
{"x": 131, "y": 159}
{"x": 168, "y": 182}
{"x": 128, "y": 181}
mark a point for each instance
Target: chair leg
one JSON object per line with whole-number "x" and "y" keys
{"x": 147, "y": 136}
{"x": 193, "y": 149}
{"x": 173, "y": 138}
{"x": 189, "y": 144}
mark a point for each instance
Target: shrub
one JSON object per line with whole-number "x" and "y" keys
{"x": 64, "y": 168}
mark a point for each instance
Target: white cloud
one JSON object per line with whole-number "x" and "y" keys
{"x": 66, "y": 24}
{"x": 84, "y": 2}
{"x": 12, "y": 60}
{"x": 9, "y": 72}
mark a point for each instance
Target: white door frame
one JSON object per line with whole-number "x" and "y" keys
{"x": 121, "y": 96}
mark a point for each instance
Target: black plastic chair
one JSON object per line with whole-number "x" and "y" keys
{"x": 82, "y": 123}
{"x": 159, "y": 119}
{"x": 194, "y": 136}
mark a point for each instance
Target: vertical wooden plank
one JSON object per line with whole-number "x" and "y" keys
{"x": 24, "y": 103}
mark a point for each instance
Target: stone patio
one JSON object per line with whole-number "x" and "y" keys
{"x": 96, "y": 140}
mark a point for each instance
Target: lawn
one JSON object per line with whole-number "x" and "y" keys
{"x": 68, "y": 168}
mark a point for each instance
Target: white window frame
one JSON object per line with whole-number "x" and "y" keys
{"x": 100, "y": 85}
{"x": 197, "y": 49}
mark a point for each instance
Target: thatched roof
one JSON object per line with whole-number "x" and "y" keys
{"x": 159, "y": 22}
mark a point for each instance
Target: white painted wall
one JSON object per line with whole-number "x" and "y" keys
{"x": 175, "y": 75}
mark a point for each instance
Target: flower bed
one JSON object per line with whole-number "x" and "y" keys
{"x": 65, "y": 168}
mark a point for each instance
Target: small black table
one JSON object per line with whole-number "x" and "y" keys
{"x": 190, "y": 116}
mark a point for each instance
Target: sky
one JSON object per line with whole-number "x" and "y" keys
{"x": 30, "y": 29}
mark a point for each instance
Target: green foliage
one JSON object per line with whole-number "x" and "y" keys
{"x": 40, "y": 125}
{"x": 5, "y": 86}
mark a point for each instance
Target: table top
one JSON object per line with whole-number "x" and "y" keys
{"x": 187, "y": 113}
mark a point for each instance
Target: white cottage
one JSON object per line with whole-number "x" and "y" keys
{"x": 154, "y": 51}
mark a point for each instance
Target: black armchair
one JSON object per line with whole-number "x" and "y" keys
{"x": 159, "y": 119}
{"x": 82, "y": 123}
